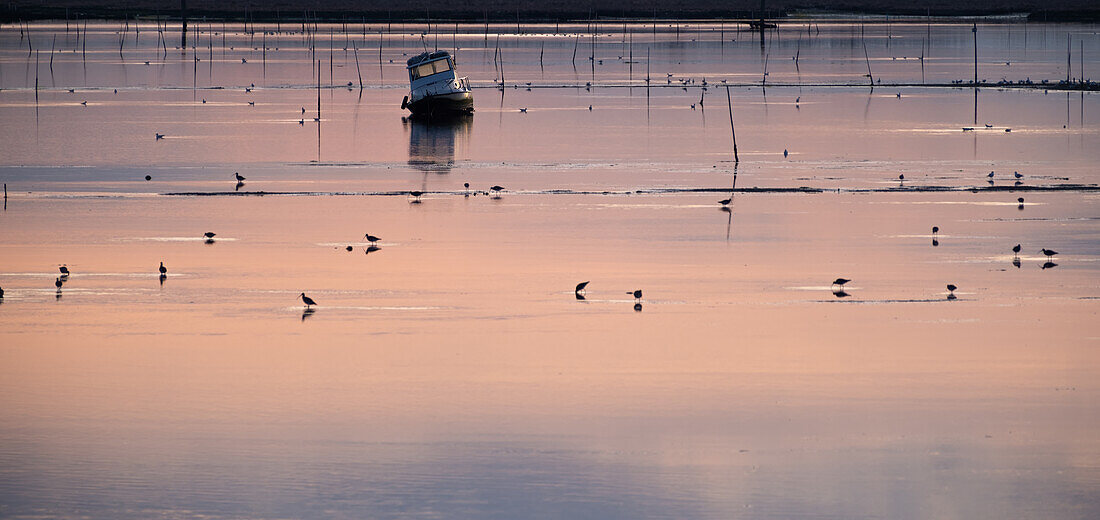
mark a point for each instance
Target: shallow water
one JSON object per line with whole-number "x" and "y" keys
{"x": 451, "y": 373}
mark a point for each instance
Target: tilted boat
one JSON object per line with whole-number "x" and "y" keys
{"x": 435, "y": 88}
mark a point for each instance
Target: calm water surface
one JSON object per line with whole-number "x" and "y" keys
{"x": 452, "y": 373}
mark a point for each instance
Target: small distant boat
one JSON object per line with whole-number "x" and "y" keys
{"x": 434, "y": 86}
{"x": 757, "y": 25}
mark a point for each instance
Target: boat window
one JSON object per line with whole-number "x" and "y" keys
{"x": 428, "y": 69}
{"x": 441, "y": 66}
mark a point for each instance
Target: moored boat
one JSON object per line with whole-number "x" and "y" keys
{"x": 435, "y": 87}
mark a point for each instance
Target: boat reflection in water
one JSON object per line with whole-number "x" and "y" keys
{"x": 433, "y": 142}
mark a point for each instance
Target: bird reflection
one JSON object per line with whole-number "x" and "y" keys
{"x": 238, "y": 186}
{"x": 432, "y": 141}
{"x": 935, "y": 243}
{"x": 371, "y": 248}
{"x": 1016, "y": 262}
{"x": 1048, "y": 265}
{"x": 637, "y": 307}
{"x": 839, "y": 293}
{"x": 307, "y": 312}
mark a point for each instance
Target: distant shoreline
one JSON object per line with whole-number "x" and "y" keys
{"x": 411, "y": 11}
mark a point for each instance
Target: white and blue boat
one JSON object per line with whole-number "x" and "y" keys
{"x": 435, "y": 88}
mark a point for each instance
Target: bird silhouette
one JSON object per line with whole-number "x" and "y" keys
{"x": 901, "y": 177}
{"x": 1, "y": 292}
{"x": 496, "y": 190}
{"x": 58, "y": 283}
{"x": 1048, "y": 252}
{"x": 209, "y": 234}
{"x": 307, "y": 300}
{"x": 637, "y": 294}
{"x": 1016, "y": 262}
{"x": 1018, "y": 175}
{"x": 371, "y": 238}
{"x": 466, "y": 185}
{"x": 238, "y": 177}
{"x": 990, "y": 175}
{"x": 416, "y": 195}
{"x": 935, "y": 229}
{"x": 840, "y": 293}
{"x": 580, "y": 287}
{"x": 64, "y": 270}
{"x": 951, "y": 291}
{"x": 785, "y": 152}
{"x": 158, "y": 136}
{"x": 163, "y": 270}
{"x": 839, "y": 282}
{"x": 1016, "y": 249}
{"x": 637, "y": 307}
{"x": 1048, "y": 265}
{"x": 726, "y": 202}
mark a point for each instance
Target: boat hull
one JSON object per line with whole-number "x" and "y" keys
{"x": 439, "y": 104}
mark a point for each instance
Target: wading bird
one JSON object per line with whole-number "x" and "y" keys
{"x": 935, "y": 229}
{"x": 1048, "y": 252}
{"x": 209, "y": 235}
{"x": 307, "y": 300}
{"x": 580, "y": 287}
{"x": 238, "y": 177}
{"x": 163, "y": 270}
{"x": 951, "y": 288}
{"x": 58, "y": 283}
{"x": 371, "y": 238}
{"x": 839, "y": 282}
{"x": 496, "y": 190}
{"x": 637, "y": 294}
{"x": 1016, "y": 250}
{"x": 416, "y": 195}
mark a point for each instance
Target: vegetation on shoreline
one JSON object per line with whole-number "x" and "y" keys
{"x": 527, "y": 11}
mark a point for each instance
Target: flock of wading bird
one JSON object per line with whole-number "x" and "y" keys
{"x": 494, "y": 191}
{"x": 837, "y": 287}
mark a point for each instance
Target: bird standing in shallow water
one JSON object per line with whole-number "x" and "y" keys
{"x": 307, "y": 300}
{"x": 58, "y": 283}
{"x": 580, "y": 287}
{"x": 1016, "y": 250}
{"x": 951, "y": 291}
{"x": 371, "y": 238}
{"x": 416, "y": 196}
{"x": 163, "y": 270}
{"x": 935, "y": 229}
{"x": 839, "y": 282}
{"x": 238, "y": 177}
{"x": 726, "y": 202}
{"x": 637, "y": 294}
{"x": 496, "y": 190}
{"x": 1048, "y": 252}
